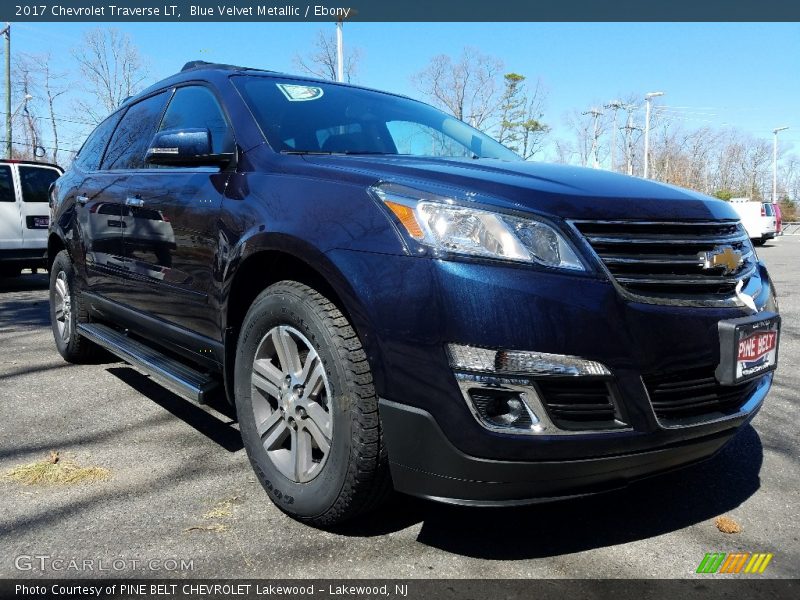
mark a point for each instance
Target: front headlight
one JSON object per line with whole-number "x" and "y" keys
{"x": 446, "y": 227}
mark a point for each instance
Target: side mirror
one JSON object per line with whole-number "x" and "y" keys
{"x": 185, "y": 148}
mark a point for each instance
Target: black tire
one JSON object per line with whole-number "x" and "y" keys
{"x": 72, "y": 346}
{"x": 760, "y": 242}
{"x": 353, "y": 476}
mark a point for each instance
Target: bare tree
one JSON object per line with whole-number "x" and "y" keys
{"x": 588, "y": 130}
{"x": 112, "y": 69}
{"x": 466, "y": 87}
{"x": 26, "y": 71}
{"x": 54, "y": 87}
{"x": 321, "y": 61}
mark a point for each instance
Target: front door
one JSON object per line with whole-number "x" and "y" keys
{"x": 171, "y": 242}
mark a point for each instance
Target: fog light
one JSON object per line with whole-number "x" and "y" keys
{"x": 502, "y": 408}
{"x": 469, "y": 358}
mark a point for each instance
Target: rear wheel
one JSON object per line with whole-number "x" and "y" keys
{"x": 307, "y": 407}
{"x": 66, "y": 312}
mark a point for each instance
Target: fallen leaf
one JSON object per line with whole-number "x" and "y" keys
{"x": 727, "y": 525}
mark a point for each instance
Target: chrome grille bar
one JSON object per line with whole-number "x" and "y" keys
{"x": 668, "y": 262}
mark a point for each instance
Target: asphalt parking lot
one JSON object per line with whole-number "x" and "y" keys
{"x": 181, "y": 487}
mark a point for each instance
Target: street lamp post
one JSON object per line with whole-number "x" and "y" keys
{"x": 339, "y": 51}
{"x": 648, "y": 98}
{"x": 775, "y": 162}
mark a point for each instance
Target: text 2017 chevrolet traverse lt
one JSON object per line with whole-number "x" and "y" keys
{"x": 390, "y": 298}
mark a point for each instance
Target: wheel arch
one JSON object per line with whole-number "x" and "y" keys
{"x": 54, "y": 245}
{"x": 281, "y": 258}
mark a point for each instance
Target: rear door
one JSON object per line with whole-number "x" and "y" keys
{"x": 103, "y": 211}
{"x": 34, "y": 182}
{"x": 171, "y": 242}
{"x": 10, "y": 214}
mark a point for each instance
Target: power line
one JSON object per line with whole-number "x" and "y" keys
{"x": 62, "y": 119}
{"x": 60, "y": 148}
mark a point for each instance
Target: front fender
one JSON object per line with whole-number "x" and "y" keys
{"x": 256, "y": 243}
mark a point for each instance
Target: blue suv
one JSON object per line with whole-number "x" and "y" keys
{"x": 392, "y": 299}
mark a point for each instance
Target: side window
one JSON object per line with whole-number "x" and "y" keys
{"x": 6, "y": 185}
{"x": 91, "y": 153}
{"x": 195, "y": 107}
{"x": 35, "y": 182}
{"x": 133, "y": 134}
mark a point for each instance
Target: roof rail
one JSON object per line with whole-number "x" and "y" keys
{"x": 193, "y": 64}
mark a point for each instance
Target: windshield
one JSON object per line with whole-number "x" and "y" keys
{"x": 315, "y": 117}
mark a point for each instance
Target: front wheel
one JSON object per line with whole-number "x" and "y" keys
{"x": 307, "y": 408}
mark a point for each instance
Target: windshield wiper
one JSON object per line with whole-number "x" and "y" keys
{"x": 308, "y": 152}
{"x": 343, "y": 152}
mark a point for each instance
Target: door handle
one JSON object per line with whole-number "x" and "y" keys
{"x": 82, "y": 200}
{"x": 129, "y": 201}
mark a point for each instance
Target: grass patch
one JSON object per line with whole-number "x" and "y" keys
{"x": 56, "y": 471}
{"x": 222, "y": 510}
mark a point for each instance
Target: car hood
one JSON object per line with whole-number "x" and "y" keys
{"x": 558, "y": 190}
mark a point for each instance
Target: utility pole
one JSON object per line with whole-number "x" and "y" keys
{"x": 775, "y": 162}
{"x": 648, "y": 98}
{"x": 6, "y": 31}
{"x": 614, "y": 105}
{"x": 595, "y": 112}
{"x": 629, "y": 129}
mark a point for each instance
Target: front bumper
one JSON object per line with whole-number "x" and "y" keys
{"x": 424, "y": 463}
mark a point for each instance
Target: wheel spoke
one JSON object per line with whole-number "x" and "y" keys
{"x": 323, "y": 443}
{"x": 312, "y": 359}
{"x": 264, "y": 426}
{"x": 320, "y": 417}
{"x": 59, "y": 313}
{"x": 301, "y": 449}
{"x": 60, "y": 288}
{"x": 315, "y": 381}
{"x": 267, "y": 377}
{"x": 286, "y": 348}
{"x": 274, "y": 437}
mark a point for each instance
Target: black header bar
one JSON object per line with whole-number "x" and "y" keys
{"x": 400, "y": 10}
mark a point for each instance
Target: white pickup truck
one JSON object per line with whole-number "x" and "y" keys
{"x": 24, "y": 214}
{"x": 757, "y": 217}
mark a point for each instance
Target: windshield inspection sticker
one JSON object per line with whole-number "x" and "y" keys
{"x": 300, "y": 93}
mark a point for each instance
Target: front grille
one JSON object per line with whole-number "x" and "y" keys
{"x": 665, "y": 261}
{"x": 578, "y": 404}
{"x": 695, "y": 395}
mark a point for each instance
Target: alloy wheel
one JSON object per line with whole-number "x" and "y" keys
{"x": 63, "y": 306}
{"x": 292, "y": 403}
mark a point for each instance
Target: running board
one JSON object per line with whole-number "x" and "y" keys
{"x": 172, "y": 374}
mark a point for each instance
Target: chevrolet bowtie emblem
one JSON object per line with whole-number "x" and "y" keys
{"x": 723, "y": 256}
